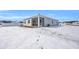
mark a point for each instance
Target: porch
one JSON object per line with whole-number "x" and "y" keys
{"x": 37, "y": 22}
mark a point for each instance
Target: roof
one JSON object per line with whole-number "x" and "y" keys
{"x": 39, "y": 15}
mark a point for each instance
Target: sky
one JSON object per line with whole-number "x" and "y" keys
{"x": 18, "y": 15}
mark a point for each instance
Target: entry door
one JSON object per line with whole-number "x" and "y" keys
{"x": 41, "y": 21}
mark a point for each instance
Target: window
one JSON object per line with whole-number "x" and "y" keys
{"x": 35, "y": 21}
{"x": 41, "y": 21}
{"x": 28, "y": 21}
{"x": 52, "y": 22}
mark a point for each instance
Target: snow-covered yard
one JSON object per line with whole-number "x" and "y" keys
{"x": 39, "y": 38}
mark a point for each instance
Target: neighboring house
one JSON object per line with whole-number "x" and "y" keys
{"x": 67, "y": 23}
{"x": 75, "y": 23}
{"x": 40, "y": 21}
{"x": 8, "y": 23}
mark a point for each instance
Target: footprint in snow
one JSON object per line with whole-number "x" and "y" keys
{"x": 42, "y": 48}
{"x": 60, "y": 34}
{"x": 39, "y": 36}
{"x": 37, "y": 40}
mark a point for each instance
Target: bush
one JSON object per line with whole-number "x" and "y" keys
{"x": 48, "y": 25}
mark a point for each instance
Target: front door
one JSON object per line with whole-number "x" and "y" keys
{"x": 41, "y": 21}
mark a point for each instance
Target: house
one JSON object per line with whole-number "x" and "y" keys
{"x": 40, "y": 21}
{"x": 8, "y": 23}
{"x": 75, "y": 23}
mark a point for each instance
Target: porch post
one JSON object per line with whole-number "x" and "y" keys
{"x": 31, "y": 21}
{"x": 38, "y": 21}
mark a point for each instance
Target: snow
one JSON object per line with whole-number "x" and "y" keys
{"x": 62, "y": 37}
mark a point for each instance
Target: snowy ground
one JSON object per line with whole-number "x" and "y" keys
{"x": 63, "y": 37}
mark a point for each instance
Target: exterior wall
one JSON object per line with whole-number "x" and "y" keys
{"x": 55, "y": 22}
{"x": 51, "y": 22}
{"x": 47, "y": 21}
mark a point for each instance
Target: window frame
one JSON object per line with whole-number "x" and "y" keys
{"x": 28, "y": 21}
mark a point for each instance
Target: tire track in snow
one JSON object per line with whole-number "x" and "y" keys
{"x": 68, "y": 39}
{"x": 59, "y": 35}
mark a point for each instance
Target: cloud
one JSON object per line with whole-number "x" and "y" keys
{"x": 61, "y": 18}
{"x": 7, "y": 15}
{"x": 13, "y": 17}
{"x": 3, "y": 10}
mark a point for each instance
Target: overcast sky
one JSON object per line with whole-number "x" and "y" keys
{"x": 61, "y": 15}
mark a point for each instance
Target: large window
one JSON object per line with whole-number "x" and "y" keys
{"x": 35, "y": 21}
{"x": 28, "y": 21}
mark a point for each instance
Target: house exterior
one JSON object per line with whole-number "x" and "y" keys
{"x": 40, "y": 21}
{"x": 8, "y": 23}
{"x": 75, "y": 23}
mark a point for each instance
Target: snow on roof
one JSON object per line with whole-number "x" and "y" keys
{"x": 40, "y": 15}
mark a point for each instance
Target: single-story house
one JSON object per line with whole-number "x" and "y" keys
{"x": 75, "y": 23}
{"x": 40, "y": 21}
{"x": 8, "y": 23}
